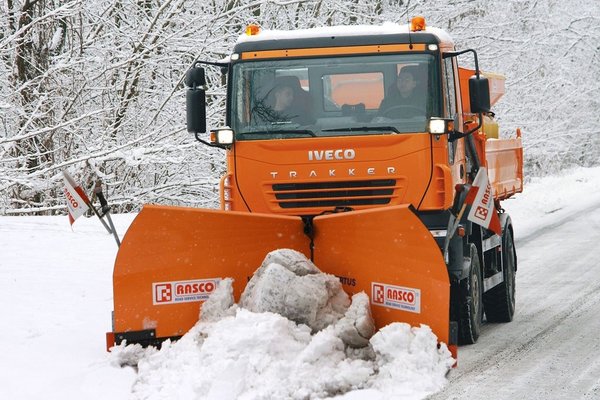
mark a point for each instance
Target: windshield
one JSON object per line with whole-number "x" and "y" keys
{"x": 341, "y": 96}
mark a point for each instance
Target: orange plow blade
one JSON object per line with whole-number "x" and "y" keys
{"x": 389, "y": 254}
{"x": 172, "y": 258}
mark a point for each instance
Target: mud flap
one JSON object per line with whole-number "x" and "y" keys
{"x": 389, "y": 254}
{"x": 172, "y": 257}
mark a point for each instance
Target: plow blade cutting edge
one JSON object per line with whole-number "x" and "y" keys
{"x": 172, "y": 258}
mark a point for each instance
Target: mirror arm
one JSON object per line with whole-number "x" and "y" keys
{"x": 458, "y": 135}
{"x": 470, "y": 144}
{"x": 215, "y": 64}
{"x": 458, "y": 53}
{"x": 473, "y": 151}
{"x": 202, "y": 140}
{"x": 209, "y": 144}
{"x": 455, "y": 135}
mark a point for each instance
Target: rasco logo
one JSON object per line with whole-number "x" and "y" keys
{"x": 72, "y": 200}
{"x": 338, "y": 154}
{"x": 183, "y": 291}
{"x": 399, "y": 297}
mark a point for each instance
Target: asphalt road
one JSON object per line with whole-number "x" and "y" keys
{"x": 551, "y": 349}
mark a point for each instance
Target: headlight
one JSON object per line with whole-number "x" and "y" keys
{"x": 437, "y": 126}
{"x": 222, "y": 136}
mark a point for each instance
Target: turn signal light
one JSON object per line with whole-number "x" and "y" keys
{"x": 417, "y": 24}
{"x": 252, "y": 30}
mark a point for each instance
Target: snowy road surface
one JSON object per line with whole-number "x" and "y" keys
{"x": 551, "y": 349}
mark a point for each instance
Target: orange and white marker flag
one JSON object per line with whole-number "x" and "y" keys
{"x": 77, "y": 200}
{"x": 481, "y": 198}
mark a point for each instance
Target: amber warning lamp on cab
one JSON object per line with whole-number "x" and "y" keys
{"x": 252, "y": 30}
{"x": 417, "y": 24}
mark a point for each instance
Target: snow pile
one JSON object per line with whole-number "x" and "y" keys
{"x": 289, "y": 284}
{"x": 312, "y": 343}
{"x": 409, "y": 363}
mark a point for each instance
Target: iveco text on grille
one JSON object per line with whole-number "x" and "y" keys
{"x": 339, "y": 154}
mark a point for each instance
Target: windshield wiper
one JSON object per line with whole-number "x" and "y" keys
{"x": 294, "y": 131}
{"x": 281, "y": 132}
{"x": 363, "y": 129}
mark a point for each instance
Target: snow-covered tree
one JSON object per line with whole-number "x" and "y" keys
{"x": 96, "y": 87}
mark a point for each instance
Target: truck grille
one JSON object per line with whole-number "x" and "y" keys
{"x": 334, "y": 194}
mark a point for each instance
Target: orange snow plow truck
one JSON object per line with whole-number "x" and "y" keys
{"x": 368, "y": 149}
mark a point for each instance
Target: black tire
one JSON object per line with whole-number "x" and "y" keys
{"x": 471, "y": 302}
{"x": 499, "y": 302}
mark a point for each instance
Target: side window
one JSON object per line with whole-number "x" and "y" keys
{"x": 449, "y": 100}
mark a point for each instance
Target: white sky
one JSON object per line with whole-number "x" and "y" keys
{"x": 56, "y": 286}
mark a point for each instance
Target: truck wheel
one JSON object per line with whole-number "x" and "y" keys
{"x": 471, "y": 303}
{"x": 499, "y": 302}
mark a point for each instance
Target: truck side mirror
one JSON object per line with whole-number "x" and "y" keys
{"x": 479, "y": 93}
{"x": 195, "y": 80}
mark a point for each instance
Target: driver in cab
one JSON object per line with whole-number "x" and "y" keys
{"x": 405, "y": 98}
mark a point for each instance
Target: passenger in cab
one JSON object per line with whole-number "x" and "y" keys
{"x": 406, "y": 97}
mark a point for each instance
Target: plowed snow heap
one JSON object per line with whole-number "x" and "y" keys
{"x": 289, "y": 284}
{"x": 251, "y": 351}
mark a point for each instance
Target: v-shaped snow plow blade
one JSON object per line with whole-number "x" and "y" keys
{"x": 172, "y": 258}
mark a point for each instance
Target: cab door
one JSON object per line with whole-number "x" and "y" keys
{"x": 453, "y": 109}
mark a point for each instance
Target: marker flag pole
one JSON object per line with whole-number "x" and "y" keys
{"x": 78, "y": 202}
{"x": 106, "y": 209}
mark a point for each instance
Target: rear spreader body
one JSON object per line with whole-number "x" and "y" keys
{"x": 381, "y": 201}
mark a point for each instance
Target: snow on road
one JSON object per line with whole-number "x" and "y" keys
{"x": 56, "y": 287}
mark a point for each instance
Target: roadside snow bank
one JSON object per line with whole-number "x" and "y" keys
{"x": 316, "y": 345}
{"x": 552, "y": 199}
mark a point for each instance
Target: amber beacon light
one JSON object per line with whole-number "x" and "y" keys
{"x": 252, "y": 30}
{"x": 417, "y": 24}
